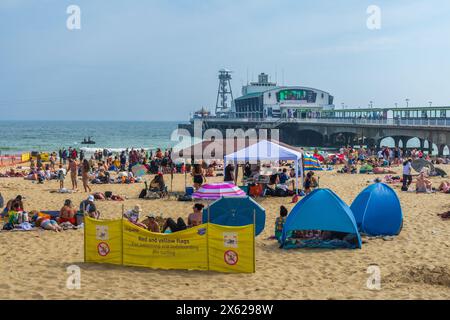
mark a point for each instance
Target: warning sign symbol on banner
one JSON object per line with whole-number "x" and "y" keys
{"x": 230, "y": 257}
{"x": 103, "y": 249}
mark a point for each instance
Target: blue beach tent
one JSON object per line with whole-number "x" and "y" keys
{"x": 230, "y": 211}
{"x": 377, "y": 211}
{"x": 322, "y": 210}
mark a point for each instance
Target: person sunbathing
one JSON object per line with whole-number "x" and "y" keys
{"x": 380, "y": 170}
{"x": 445, "y": 186}
{"x": 174, "y": 226}
{"x": 48, "y": 224}
{"x": 423, "y": 184}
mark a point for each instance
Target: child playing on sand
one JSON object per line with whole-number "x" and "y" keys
{"x": 61, "y": 175}
{"x": 279, "y": 222}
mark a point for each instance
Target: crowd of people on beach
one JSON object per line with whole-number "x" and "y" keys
{"x": 103, "y": 164}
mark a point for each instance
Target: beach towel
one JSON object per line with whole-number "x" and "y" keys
{"x": 318, "y": 243}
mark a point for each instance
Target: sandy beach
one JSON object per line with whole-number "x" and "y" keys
{"x": 413, "y": 266}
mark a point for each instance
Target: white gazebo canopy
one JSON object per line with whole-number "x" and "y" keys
{"x": 266, "y": 150}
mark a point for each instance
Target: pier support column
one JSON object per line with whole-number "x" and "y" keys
{"x": 441, "y": 149}
{"x": 422, "y": 144}
{"x": 430, "y": 147}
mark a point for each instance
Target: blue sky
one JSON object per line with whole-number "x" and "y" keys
{"x": 158, "y": 60}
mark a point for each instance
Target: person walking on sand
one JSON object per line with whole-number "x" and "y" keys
{"x": 73, "y": 169}
{"x": 407, "y": 177}
{"x": 85, "y": 170}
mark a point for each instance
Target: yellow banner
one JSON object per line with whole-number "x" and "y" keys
{"x": 205, "y": 247}
{"x": 102, "y": 241}
{"x": 231, "y": 249}
{"x": 185, "y": 249}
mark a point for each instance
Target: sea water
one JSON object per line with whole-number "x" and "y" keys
{"x": 17, "y": 136}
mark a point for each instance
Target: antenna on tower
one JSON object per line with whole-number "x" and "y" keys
{"x": 224, "y": 92}
{"x": 247, "y": 76}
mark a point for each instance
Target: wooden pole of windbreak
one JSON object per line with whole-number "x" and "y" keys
{"x": 84, "y": 236}
{"x": 254, "y": 236}
{"x": 207, "y": 238}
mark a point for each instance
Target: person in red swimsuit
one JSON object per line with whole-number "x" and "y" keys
{"x": 67, "y": 213}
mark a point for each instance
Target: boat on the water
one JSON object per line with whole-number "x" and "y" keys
{"x": 88, "y": 141}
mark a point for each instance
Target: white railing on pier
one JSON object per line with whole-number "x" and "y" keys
{"x": 351, "y": 121}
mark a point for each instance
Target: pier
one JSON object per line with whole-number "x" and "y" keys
{"x": 349, "y": 127}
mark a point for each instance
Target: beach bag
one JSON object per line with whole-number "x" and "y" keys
{"x": 152, "y": 195}
{"x": 143, "y": 194}
{"x": 280, "y": 192}
{"x": 22, "y": 217}
{"x": 185, "y": 197}
{"x": 256, "y": 191}
{"x": 80, "y": 218}
{"x": 8, "y": 226}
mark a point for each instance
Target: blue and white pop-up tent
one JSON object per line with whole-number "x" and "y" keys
{"x": 377, "y": 211}
{"x": 235, "y": 212}
{"x": 266, "y": 150}
{"x": 322, "y": 210}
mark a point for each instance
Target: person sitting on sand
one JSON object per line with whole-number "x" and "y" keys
{"x": 88, "y": 206}
{"x": 11, "y": 203}
{"x": 283, "y": 177}
{"x": 279, "y": 222}
{"x": 196, "y": 218}
{"x": 423, "y": 184}
{"x": 151, "y": 224}
{"x": 16, "y": 215}
{"x": 133, "y": 216}
{"x": 67, "y": 213}
{"x": 310, "y": 182}
{"x": 158, "y": 184}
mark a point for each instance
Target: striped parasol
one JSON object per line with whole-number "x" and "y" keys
{"x": 212, "y": 191}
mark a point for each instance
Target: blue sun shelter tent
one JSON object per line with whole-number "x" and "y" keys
{"x": 377, "y": 211}
{"x": 321, "y": 210}
{"x": 234, "y": 212}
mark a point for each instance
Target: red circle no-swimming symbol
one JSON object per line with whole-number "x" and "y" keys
{"x": 230, "y": 257}
{"x": 103, "y": 249}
